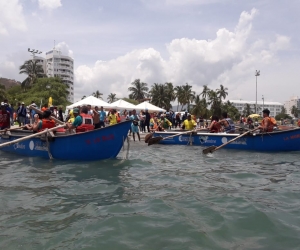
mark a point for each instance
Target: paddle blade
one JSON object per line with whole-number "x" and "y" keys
{"x": 154, "y": 140}
{"x": 209, "y": 150}
{"x": 148, "y": 137}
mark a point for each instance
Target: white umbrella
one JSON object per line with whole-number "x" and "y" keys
{"x": 121, "y": 104}
{"x": 146, "y": 105}
{"x": 93, "y": 101}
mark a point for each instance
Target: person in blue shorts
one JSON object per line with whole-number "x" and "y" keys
{"x": 135, "y": 125}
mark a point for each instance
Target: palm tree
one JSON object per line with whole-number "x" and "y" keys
{"x": 247, "y": 110}
{"x": 294, "y": 111}
{"x": 231, "y": 110}
{"x": 160, "y": 95}
{"x": 215, "y": 102}
{"x": 138, "y": 91}
{"x": 83, "y": 97}
{"x": 205, "y": 91}
{"x": 112, "y": 98}
{"x": 222, "y": 92}
{"x": 98, "y": 94}
{"x": 200, "y": 107}
{"x": 33, "y": 70}
{"x": 187, "y": 95}
{"x": 178, "y": 94}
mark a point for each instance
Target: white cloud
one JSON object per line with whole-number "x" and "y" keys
{"x": 228, "y": 59}
{"x": 11, "y": 16}
{"x": 64, "y": 48}
{"x": 49, "y": 4}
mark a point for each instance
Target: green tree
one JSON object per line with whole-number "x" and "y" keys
{"x": 138, "y": 90}
{"x": 112, "y": 98}
{"x": 205, "y": 91}
{"x": 187, "y": 95}
{"x": 231, "y": 110}
{"x": 33, "y": 70}
{"x": 160, "y": 95}
{"x": 83, "y": 97}
{"x": 200, "y": 107}
{"x": 294, "y": 111}
{"x": 97, "y": 94}
{"x": 3, "y": 93}
{"x": 247, "y": 110}
{"x": 178, "y": 94}
{"x": 40, "y": 93}
{"x": 214, "y": 102}
{"x": 132, "y": 101}
{"x": 222, "y": 92}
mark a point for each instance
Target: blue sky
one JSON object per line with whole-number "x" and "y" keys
{"x": 201, "y": 42}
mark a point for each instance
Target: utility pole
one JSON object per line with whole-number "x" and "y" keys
{"x": 257, "y": 73}
{"x": 263, "y": 102}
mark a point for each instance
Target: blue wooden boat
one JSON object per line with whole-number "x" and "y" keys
{"x": 287, "y": 140}
{"x": 103, "y": 143}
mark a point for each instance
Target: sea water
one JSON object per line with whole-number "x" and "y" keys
{"x": 162, "y": 197}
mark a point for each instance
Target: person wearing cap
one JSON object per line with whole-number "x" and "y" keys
{"x": 189, "y": 123}
{"x": 83, "y": 122}
{"x": 21, "y": 112}
{"x": 267, "y": 123}
{"x": 4, "y": 117}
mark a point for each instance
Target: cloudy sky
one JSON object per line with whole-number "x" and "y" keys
{"x": 200, "y": 42}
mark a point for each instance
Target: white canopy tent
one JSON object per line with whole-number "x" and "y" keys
{"x": 121, "y": 104}
{"x": 93, "y": 101}
{"x": 146, "y": 105}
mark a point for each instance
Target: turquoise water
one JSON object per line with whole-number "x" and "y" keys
{"x": 163, "y": 197}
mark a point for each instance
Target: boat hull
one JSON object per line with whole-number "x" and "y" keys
{"x": 93, "y": 145}
{"x": 288, "y": 140}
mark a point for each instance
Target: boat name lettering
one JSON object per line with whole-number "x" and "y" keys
{"x": 204, "y": 139}
{"x": 98, "y": 139}
{"x": 295, "y": 136}
{"x": 40, "y": 146}
{"x": 19, "y": 145}
{"x": 188, "y": 139}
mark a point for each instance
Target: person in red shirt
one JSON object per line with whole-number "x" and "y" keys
{"x": 4, "y": 117}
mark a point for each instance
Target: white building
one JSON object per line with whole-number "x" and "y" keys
{"x": 63, "y": 67}
{"x": 294, "y": 101}
{"x": 274, "y": 107}
{"x": 56, "y": 64}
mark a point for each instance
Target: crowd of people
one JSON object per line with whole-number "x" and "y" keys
{"x": 86, "y": 118}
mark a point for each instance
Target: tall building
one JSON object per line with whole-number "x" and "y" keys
{"x": 274, "y": 107}
{"x": 63, "y": 67}
{"x": 294, "y": 101}
{"x": 56, "y": 64}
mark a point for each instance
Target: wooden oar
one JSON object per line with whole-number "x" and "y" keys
{"x": 156, "y": 140}
{"x": 52, "y": 117}
{"x": 211, "y": 149}
{"x": 11, "y": 129}
{"x": 29, "y": 136}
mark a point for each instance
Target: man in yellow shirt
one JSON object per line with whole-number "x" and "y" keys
{"x": 189, "y": 123}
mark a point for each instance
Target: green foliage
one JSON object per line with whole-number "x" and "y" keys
{"x": 162, "y": 95}
{"x": 112, "y": 98}
{"x": 40, "y": 93}
{"x": 231, "y": 110}
{"x": 98, "y": 94}
{"x": 247, "y": 110}
{"x": 3, "y": 93}
{"x": 132, "y": 101}
{"x": 282, "y": 116}
{"x": 295, "y": 111}
{"x": 138, "y": 90}
{"x": 33, "y": 70}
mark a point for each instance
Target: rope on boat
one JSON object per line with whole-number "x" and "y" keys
{"x": 48, "y": 148}
{"x": 128, "y": 147}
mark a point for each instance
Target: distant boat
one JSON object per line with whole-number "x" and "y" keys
{"x": 98, "y": 144}
{"x": 286, "y": 140}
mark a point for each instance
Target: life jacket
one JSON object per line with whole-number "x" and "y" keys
{"x": 118, "y": 118}
{"x": 272, "y": 123}
{"x": 231, "y": 127}
{"x": 4, "y": 118}
{"x": 47, "y": 124}
{"x": 216, "y": 127}
{"x": 87, "y": 123}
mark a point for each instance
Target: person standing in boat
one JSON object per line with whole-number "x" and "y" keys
{"x": 215, "y": 126}
{"x": 227, "y": 123}
{"x": 189, "y": 123}
{"x": 4, "y": 117}
{"x": 267, "y": 123}
{"x": 82, "y": 122}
